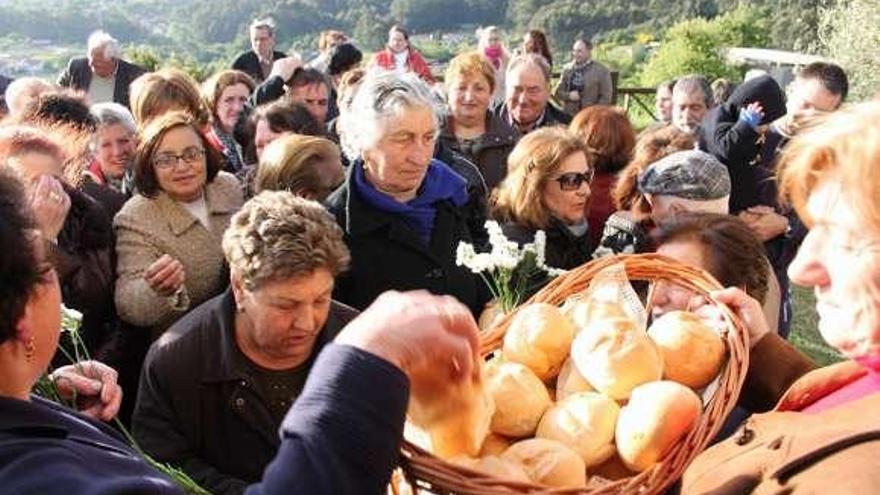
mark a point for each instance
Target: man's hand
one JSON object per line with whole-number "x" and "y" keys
{"x": 94, "y": 385}
{"x": 764, "y": 222}
{"x": 285, "y": 67}
{"x": 748, "y": 309}
{"x": 432, "y": 339}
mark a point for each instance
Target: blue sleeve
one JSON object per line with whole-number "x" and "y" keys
{"x": 343, "y": 434}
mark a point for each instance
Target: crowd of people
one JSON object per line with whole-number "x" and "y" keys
{"x": 274, "y": 250}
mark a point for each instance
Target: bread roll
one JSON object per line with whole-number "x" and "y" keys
{"x": 584, "y": 422}
{"x": 495, "y": 466}
{"x": 570, "y": 381}
{"x": 539, "y": 337}
{"x": 490, "y": 317}
{"x": 657, "y": 416}
{"x": 693, "y": 353}
{"x": 549, "y": 463}
{"x": 615, "y": 356}
{"x": 520, "y": 399}
{"x": 456, "y": 416}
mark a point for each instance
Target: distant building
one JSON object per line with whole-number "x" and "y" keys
{"x": 779, "y": 64}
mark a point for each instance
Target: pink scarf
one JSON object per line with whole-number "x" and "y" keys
{"x": 494, "y": 53}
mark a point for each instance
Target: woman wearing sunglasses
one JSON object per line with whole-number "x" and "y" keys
{"x": 547, "y": 188}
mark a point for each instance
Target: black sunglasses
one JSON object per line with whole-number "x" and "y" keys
{"x": 572, "y": 181}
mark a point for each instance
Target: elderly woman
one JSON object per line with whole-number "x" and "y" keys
{"x": 225, "y": 95}
{"x": 471, "y": 129}
{"x": 401, "y": 57}
{"x": 608, "y": 133}
{"x": 168, "y": 235}
{"x": 77, "y": 231}
{"x": 821, "y": 435}
{"x": 257, "y": 341}
{"x": 113, "y": 144}
{"x": 546, "y": 189}
{"x": 342, "y": 436}
{"x": 304, "y": 165}
{"x": 402, "y": 212}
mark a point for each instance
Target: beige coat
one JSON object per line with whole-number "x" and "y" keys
{"x": 597, "y": 87}
{"x": 147, "y": 228}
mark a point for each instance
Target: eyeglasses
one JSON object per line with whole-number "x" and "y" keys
{"x": 572, "y": 181}
{"x": 167, "y": 161}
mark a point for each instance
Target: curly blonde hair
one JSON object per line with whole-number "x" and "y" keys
{"x": 277, "y": 235}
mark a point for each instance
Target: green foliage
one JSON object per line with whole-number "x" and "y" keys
{"x": 694, "y": 46}
{"x": 850, "y": 33}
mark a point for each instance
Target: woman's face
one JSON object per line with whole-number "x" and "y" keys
{"x": 179, "y": 164}
{"x": 397, "y": 42}
{"x": 672, "y": 297}
{"x": 398, "y": 162}
{"x": 469, "y": 97}
{"x": 840, "y": 260}
{"x": 115, "y": 149}
{"x": 230, "y": 104}
{"x": 566, "y": 191}
{"x": 284, "y": 318}
{"x": 43, "y": 312}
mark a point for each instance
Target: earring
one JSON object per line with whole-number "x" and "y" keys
{"x": 29, "y": 349}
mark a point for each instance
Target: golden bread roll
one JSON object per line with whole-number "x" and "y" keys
{"x": 539, "y": 337}
{"x": 495, "y": 466}
{"x": 549, "y": 463}
{"x": 657, "y": 415}
{"x": 693, "y": 352}
{"x": 615, "y": 356}
{"x": 584, "y": 422}
{"x": 520, "y": 399}
{"x": 570, "y": 381}
{"x": 456, "y": 416}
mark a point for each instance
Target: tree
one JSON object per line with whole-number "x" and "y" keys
{"x": 850, "y": 33}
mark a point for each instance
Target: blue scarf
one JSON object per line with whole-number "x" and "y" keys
{"x": 440, "y": 183}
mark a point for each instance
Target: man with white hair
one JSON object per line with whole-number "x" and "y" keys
{"x": 526, "y": 105}
{"x": 691, "y": 100}
{"x": 102, "y": 75}
{"x": 257, "y": 63}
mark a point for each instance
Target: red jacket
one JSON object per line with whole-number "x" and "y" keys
{"x": 414, "y": 62}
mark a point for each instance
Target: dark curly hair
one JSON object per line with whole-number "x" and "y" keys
{"x": 20, "y": 269}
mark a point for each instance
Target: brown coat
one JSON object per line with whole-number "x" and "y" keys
{"x": 147, "y": 228}
{"x": 789, "y": 452}
{"x": 597, "y": 87}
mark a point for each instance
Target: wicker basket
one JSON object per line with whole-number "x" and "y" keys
{"x": 425, "y": 473}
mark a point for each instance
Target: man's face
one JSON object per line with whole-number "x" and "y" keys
{"x": 688, "y": 110}
{"x": 527, "y": 94}
{"x": 580, "y": 52}
{"x": 315, "y": 98}
{"x": 809, "y": 96}
{"x": 101, "y": 65}
{"x": 263, "y": 43}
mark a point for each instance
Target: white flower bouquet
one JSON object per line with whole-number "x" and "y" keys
{"x": 508, "y": 268}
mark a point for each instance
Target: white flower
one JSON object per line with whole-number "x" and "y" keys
{"x": 71, "y": 319}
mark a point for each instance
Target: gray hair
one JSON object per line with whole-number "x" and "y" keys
{"x": 101, "y": 40}
{"x": 23, "y": 90}
{"x": 382, "y": 95}
{"x": 266, "y": 23}
{"x": 691, "y": 84}
{"x": 110, "y": 113}
{"x": 532, "y": 59}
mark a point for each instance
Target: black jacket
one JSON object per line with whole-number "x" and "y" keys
{"x": 736, "y": 144}
{"x": 387, "y": 254}
{"x": 489, "y": 151}
{"x": 249, "y": 63}
{"x": 198, "y": 407}
{"x": 78, "y": 76}
{"x": 564, "y": 249}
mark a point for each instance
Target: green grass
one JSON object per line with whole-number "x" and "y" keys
{"x": 804, "y": 333}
